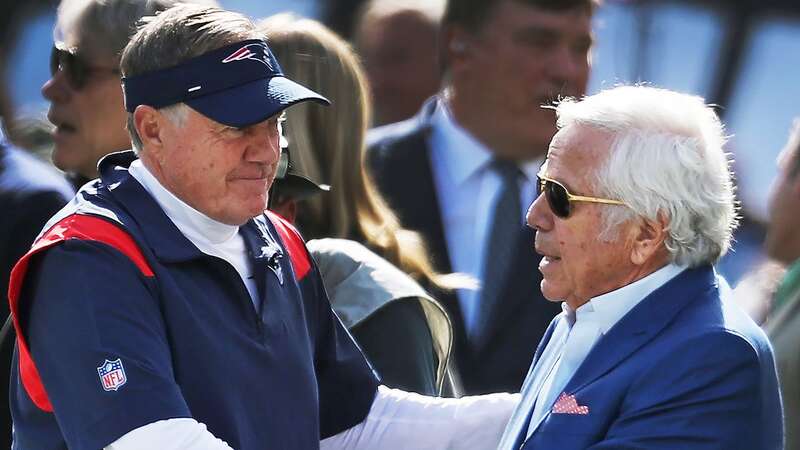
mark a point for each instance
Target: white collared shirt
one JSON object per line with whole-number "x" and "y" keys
{"x": 211, "y": 237}
{"x": 577, "y": 333}
{"x": 468, "y": 190}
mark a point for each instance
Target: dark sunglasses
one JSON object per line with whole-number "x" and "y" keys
{"x": 559, "y": 198}
{"x": 76, "y": 70}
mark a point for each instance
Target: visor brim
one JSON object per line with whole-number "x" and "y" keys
{"x": 253, "y": 102}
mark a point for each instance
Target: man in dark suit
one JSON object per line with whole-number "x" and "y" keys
{"x": 30, "y": 192}
{"x": 462, "y": 170}
{"x": 637, "y": 204}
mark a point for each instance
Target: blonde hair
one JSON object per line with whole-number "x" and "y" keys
{"x": 327, "y": 145}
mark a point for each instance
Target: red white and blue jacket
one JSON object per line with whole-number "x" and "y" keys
{"x": 122, "y": 321}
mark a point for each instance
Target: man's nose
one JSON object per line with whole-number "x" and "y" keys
{"x": 566, "y": 67}
{"x": 57, "y": 89}
{"x": 264, "y": 145}
{"x": 539, "y": 216}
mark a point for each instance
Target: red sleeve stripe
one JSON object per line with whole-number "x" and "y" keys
{"x": 76, "y": 226}
{"x": 294, "y": 245}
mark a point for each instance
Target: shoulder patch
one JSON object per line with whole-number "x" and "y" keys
{"x": 76, "y": 226}
{"x": 112, "y": 375}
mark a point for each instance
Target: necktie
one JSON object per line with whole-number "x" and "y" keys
{"x": 501, "y": 245}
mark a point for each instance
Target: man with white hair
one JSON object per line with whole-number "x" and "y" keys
{"x": 163, "y": 308}
{"x": 636, "y": 204}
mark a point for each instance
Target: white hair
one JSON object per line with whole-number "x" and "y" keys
{"x": 667, "y": 160}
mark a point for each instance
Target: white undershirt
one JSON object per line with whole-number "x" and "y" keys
{"x": 397, "y": 420}
{"x": 211, "y": 237}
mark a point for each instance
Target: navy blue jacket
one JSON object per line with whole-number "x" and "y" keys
{"x": 125, "y": 322}
{"x": 684, "y": 369}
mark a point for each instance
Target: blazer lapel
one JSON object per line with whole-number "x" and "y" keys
{"x": 642, "y": 324}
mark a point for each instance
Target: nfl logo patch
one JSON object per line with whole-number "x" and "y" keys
{"x": 112, "y": 375}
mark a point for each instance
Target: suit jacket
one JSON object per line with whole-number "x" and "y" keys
{"x": 398, "y": 158}
{"x": 684, "y": 369}
{"x": 783, "y": 329}
{"x": 30, "y": 193}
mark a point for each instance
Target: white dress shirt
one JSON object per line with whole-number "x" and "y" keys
{"x": 575, "y": 335}
{"x": 468, "y": 190}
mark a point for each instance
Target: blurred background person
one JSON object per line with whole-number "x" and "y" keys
{"x": 86, "y": 103}
{"x": 31, "y": 191}
{"x": 406, "y": 341}
{"x": 783, "y": 245}
{"x": 397, "y": 42}
{"x": 463, "y": 170}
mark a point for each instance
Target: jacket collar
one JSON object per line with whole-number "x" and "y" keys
{"x": 158, "y": 231}
{"x": 643, "y": 323}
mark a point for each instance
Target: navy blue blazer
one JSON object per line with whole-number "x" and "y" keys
{"x": 684, "y": 369}
{"x": 398, "y": 158}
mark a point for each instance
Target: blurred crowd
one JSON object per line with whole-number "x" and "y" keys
{"x": 411, "y": 189}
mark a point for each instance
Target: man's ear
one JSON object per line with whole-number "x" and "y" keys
{"x": 149, "y": 125}
{"x": 648, "y": 241}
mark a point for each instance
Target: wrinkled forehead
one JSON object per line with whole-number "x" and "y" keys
{"x": 577, "y": 150}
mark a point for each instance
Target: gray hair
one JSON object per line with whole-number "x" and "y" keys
{"x": 177, "y": 35}
{"x": 666, "y": 160}
{"x": 107, "y": 24}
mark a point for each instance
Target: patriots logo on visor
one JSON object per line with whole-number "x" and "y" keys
{"x": 255, "y": 52}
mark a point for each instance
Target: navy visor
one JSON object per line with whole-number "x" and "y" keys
{"x": 237, "y": 85}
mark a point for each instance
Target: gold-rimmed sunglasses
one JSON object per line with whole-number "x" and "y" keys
{"x": 559, "y": 198}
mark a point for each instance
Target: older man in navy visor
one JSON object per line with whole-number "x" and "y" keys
{"x": 163, "y": 308}
{"x": 227, "y": 100}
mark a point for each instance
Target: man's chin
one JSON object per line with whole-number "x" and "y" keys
{"x": 67, "y": 158}
{"x": 550, "y": 293}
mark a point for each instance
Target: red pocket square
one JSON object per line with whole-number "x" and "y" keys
{"x": 566, "y": 404}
